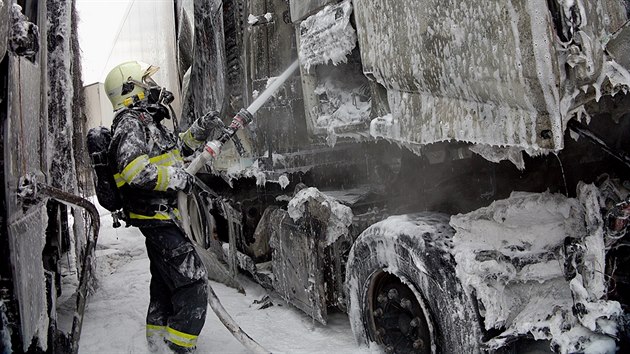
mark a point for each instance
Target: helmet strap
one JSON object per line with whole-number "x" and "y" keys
{"x": 133, "y": 99}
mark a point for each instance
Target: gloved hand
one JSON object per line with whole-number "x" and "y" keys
{"x": 200, "y": 130}
{"x": 181, "y": 181}
{"x": 209, "y": 120}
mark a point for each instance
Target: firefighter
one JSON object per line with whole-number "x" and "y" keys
{"x": 146, "y": 157}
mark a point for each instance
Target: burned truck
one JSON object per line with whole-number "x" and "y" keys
{"x": 454, "y": 177}
{"x": 43, "y": 171}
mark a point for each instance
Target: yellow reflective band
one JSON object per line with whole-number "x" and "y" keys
{"x": 181, "y": 343}
{"x": 119, "y": 180}
{"x": 160, "y": 215}
{"x": 129, "y": 100}
{"x": 160, "y": 159}
{"x": 134, "y": 168}
{"x": 180, "y": 338}
{"x": 153, "y": 330}
{"x": 190, "y": 140}
{"x": 162, "y": 179}
{"x": 167, "y": 159}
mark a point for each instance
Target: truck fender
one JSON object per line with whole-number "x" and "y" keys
{"x": 400, "y": 267}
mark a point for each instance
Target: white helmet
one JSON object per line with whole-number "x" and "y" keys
{"x": 129, "y": 82}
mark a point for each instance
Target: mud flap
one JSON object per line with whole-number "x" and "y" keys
{"x": 216, "y": 270}
{"x": 297, "y": 259}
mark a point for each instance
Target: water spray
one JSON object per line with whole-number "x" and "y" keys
{"x": 210, "y": 151}
{"x": 240, "y": 120}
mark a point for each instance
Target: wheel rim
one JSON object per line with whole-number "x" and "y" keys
{"x": 397, "y": 317}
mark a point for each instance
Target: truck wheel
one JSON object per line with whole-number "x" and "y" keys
{"x": 403, "y": 292}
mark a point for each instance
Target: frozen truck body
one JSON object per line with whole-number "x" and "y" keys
{"x": 39, "y": 103}
{"x": 434, "y": 179}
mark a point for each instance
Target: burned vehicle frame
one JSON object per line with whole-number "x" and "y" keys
{"x": 361, "y": 179}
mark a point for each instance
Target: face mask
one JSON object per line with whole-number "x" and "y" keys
{"x": 155, "y": 93}
{"x": 160, "y": 95}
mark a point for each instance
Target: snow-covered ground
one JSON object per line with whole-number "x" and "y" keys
{"x": 115, "y": 316}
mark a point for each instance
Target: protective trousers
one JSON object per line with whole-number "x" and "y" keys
{"x": 178, "y": 289}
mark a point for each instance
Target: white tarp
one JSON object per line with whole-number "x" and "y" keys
{"x": 143, "y": 31}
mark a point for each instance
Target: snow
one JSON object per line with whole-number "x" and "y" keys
{"x": 244, "y": 168}
{"x": 324, "y": 37}
{"x": 341, "y": 106}
{"x": 497, "y": 154}
{"x": 339, "y": 216}
{"x": 115, "y": 315}
{"x": 252, "y": 19}
{"x": 283, "y": 181}
{"x": 518, "y": 274}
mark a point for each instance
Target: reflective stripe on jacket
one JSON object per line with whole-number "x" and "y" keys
{"x": 149, "y": 167}
{"x": 162, "y": 162}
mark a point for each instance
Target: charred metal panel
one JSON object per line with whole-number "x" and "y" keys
{"x": 269, "y": 50}
{"x": 297, "y": 262}
{"x": 233, "y": 22}
{"x": 337, "y": 96}
{"x": 26, "y": 242}
{"x": 335, "y": 271}
{"x": 185, "y": 35}
{"x": 619, "y": 46}
{"x": 4, "y": 27}
{"x": 300, "y": 9}
{"x": 25, "y": 133}
{"x": 60, "y": 91}
{"x": 484, "y": 72}
{"x": 477, "y": 71}
{"x": 25, "y": 152}
{"x": 206, "y": 86}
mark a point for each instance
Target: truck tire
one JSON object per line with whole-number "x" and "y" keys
{"x": 403, "y": 292}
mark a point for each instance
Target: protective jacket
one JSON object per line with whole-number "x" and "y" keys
{"x": 148, "y": 162}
